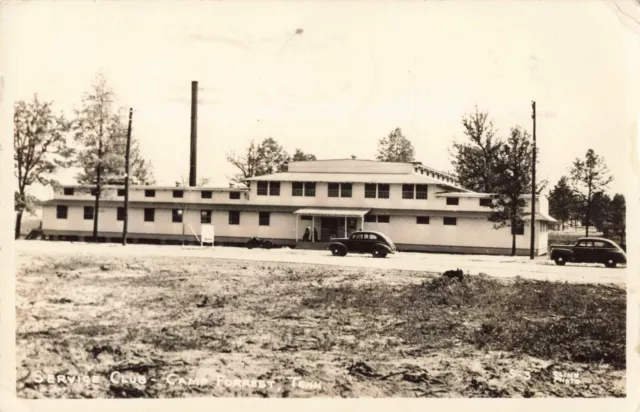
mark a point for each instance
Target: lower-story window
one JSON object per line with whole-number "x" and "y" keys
{"x": 61, "y": 211}
{"x": 383, "y": 219}
{"x": 205, "y": 216}
{"x": 265, "y": 218}
{"x": 450, "y": 221}
{"x": 149, "y": 215}
{"x": 120, "y": 213}
{"x": 305, "y": 217}
{"x": 422, "y": 220}
{"x": 234, "y": 217}
{"x": 176, "y": 215}
{"x": 88, "y": 213}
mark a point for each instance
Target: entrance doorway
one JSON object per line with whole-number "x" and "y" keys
{"x": 331, "y": 227}
{"x": 334, "y": 227}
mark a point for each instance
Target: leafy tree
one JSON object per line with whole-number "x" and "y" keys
{"x": 600, "y": 210}
{"x": 618, "y": 214}
{"x": 272, "y": 158}
{"x": 562, "y": 201}
{"x": 474, "y": 161}
{"x": 40, "y": 141}
{"x": 591, "y": 176}
{"x": 512, "y": 168}
{"x": 265, "y": 158}
{"x": 101, "y": 132}
{"x": 300, "y": 156}
{"x": 395, "y": 148}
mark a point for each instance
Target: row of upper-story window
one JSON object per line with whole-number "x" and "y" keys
{"x": 177, "y": 194}
{"x": 264, "y": 218}
{"x": 371, "y": 191}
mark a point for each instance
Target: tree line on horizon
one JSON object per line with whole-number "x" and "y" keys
{"x": 94, "y": 140}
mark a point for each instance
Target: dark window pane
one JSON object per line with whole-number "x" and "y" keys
{"x": 334, "y": 189}
{"x": 453, "y": 201}
{"x": 149, "y": 215}
{"x": 274, "y": 189}
{"x": 61, "y": 212}
{"x": 370, "y": 190}
{"x": 296, "y": 189}
{"x": 309, "y": 189}
{"x": 383, "y": 219}
{"x": 178, "y": 193}
{"x": 120, "y": 213}
{"x": 205, "y": 216}
{"x": 94, "y": 191}
{"x": 206, "y": 194}
{"x": 88, "y": 213}
{"x": 421, "y": 191}
{"x": 149, "y": 193}
{"x": 234, "y": 195}
{"x": 370, "y": 218}
{"x": 234, "y": 217}
{"x": 68, "y": 191}
{"x": 346, "y": 189}
{"x": 265, "y": 218}
{"x": 407, "y": 191}
{"x": 422, "y": 220}
{"x": 383, "y": 191}
{"x": 263, "y": 188}
{"x": 304, "y": 217}
{"x": 485, "y": 202}
{"x": 176, "y": 216}
{"x": 449, "y": 221}
{"x": 121, "y": 192}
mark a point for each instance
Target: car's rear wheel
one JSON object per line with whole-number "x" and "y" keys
{"x": 560, "y": 261}
{"x": 610, "y": 263}
{"x": 336, "y": 251}
{"x": 267, "y": 244}
{"x": 379, "y": 252}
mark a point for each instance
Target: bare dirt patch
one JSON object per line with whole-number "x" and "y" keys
{"x": 348, "y": 332}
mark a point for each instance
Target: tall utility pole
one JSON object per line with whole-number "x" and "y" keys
{"x": 533, "y": 186}
{"x": 126, "y": 181}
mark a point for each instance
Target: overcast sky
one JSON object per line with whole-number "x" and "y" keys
{"x": 358, "y": 70}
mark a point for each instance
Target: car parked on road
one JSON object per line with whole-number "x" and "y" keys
{"x": 589, "y": 250}
{"x": 376, "y": 243}
{"x": 256, "y": 242}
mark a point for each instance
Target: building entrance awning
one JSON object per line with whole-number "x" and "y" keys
{"x": 540, "y": 218}
{"x": 332, "y": 212}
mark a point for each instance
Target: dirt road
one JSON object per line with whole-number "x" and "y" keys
{"x": 498, "y": 266}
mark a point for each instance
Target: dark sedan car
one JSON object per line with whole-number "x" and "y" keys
{"x": 376, "y": 243}
{"x": 589, "y": 250}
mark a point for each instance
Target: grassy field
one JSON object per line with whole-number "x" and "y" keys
{"x": 351, "y": 332}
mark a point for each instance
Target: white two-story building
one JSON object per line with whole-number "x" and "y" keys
{"x": 421, "y": 209}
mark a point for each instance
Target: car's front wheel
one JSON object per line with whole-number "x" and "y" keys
{"x": 560, "y": 261}
{"x": 610, "y": 263}
{"x": 337, "y": 251}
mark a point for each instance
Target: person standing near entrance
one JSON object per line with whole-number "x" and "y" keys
{"x": 315, "y": 234}
{"x": 307, "y": 234}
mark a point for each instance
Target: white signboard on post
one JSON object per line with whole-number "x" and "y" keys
{"x": 207, "y": 234}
